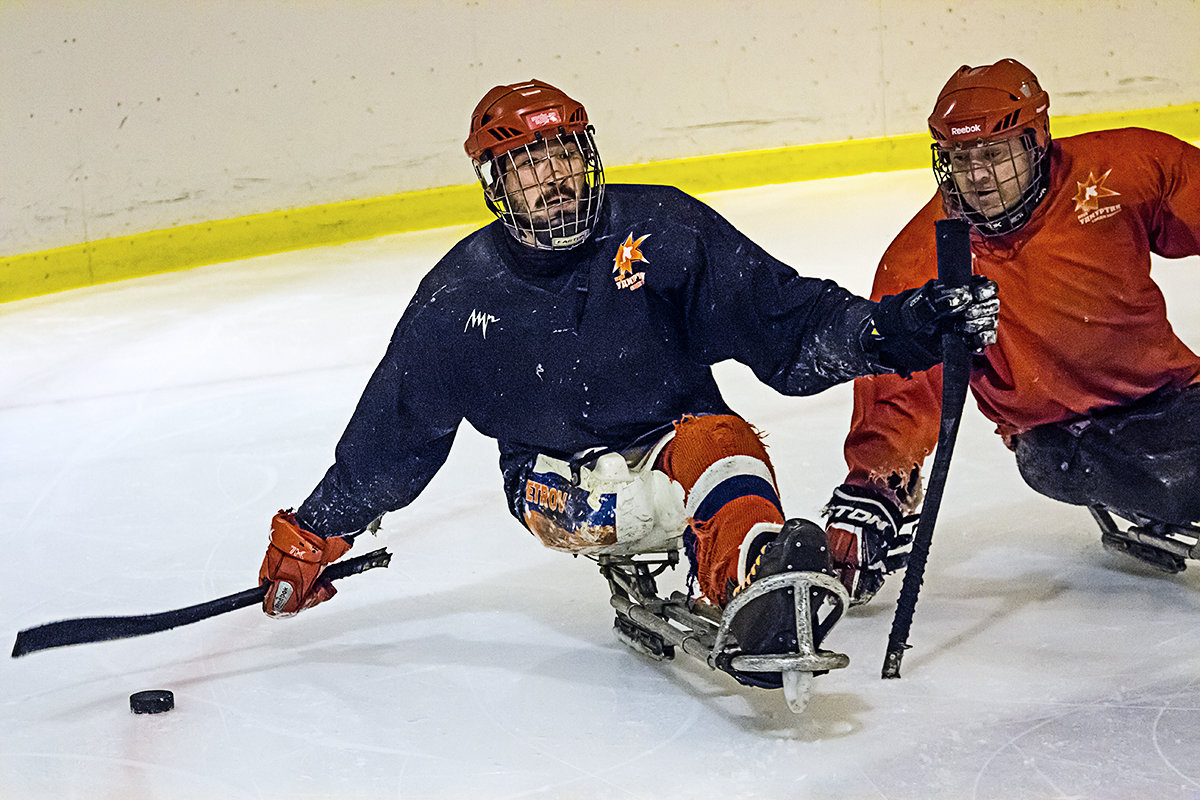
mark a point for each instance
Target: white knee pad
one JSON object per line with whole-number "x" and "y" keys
{"x": 614, "y": 508}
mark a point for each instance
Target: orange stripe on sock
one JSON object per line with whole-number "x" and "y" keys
{"x": 700, "y": 442}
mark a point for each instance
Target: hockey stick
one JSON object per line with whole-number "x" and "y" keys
{"x": 103, "y": 629}
{"x": 954, "y": 269}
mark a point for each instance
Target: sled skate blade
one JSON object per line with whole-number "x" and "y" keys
{"x": 797, "y": 688}
{"x": 1155, "y": 557}
{"x": 1164, "y": 547}
{"x": 660, "y": 628}
{"x": 646, "y": 642}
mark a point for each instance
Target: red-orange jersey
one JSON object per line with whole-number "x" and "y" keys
{"x": 1082, "y": 324}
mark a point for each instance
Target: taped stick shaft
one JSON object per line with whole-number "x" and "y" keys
{"x": 954, "y": 269}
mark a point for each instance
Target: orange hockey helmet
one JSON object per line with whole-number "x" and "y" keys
{"x": 539, "y": 138}
{"x": 981, "y": 108}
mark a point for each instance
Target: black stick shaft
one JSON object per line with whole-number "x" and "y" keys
{"x": 954, "y": 269}
{"x": 103, "y": 629}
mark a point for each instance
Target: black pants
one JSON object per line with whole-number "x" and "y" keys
{"x": 1143, "y": 458}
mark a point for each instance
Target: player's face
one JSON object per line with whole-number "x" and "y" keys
{"x": 991, "y": 177}
{"x": 543, "y": 183}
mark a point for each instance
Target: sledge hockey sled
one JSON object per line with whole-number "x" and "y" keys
{"x": 1158, "y": 544}
{"x": 657, "y": 626}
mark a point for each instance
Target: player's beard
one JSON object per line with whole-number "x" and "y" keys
{"x": 560, "y": 208}
{"x": 555, "y": 213}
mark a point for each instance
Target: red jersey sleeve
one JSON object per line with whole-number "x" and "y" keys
{"x": 894, "y": 424}
{"x": 1175, "y": 223}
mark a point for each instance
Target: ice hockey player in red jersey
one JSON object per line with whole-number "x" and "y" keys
{"x": 578, "y": 330}
{"x": 1087, "y": 383}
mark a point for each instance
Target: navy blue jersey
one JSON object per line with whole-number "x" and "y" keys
{"x": 592, "y": 348}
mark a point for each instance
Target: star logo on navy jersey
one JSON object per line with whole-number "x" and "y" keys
{"x": 628, "y": 254}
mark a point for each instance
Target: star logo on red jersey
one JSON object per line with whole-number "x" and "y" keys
{"x": 1087, "y": 199}
{"x": 628, "y": 254}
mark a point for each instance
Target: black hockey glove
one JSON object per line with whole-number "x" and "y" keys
{"x": 906, "y": 329}
{"x": 864, "y": 539}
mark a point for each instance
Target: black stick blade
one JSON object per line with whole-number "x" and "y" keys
{"x": 102, "y": 629}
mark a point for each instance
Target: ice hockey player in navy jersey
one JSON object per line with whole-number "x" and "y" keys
{"x": 579, "y": 330}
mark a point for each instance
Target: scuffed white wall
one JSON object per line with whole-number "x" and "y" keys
{"x": 123, "y": 117}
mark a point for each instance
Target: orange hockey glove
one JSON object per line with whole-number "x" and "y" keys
{"x": 293, "y": 565}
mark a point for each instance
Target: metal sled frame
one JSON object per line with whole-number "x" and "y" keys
{"x": 1159, "y": 544}
{"x": 656, "y": 626}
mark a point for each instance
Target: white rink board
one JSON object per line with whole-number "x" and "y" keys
{"x": 120, "y": 118}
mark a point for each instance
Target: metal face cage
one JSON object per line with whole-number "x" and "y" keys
{"x": 995, "y": 186}
{"x": 548, "y": 194}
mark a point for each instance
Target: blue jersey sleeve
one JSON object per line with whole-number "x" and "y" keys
{"x": 799, "y": 335}
{"x": 397, "y": 439}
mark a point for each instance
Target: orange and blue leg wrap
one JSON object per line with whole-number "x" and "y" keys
{"x": 730, "y": 487}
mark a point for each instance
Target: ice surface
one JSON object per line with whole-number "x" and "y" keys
{"x": 149, "y": 429}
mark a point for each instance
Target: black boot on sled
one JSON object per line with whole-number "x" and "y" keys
{"x": 783, "y": 610}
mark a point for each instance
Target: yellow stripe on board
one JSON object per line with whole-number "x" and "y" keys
{"x": 187, "y": 246}
{"x": 106, "y": 260}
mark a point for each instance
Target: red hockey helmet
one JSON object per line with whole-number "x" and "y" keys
{"x": 989, "y": 104}
{"x": 520, "y": 114}
{"x": 534, "y": 154}
{"x": 984, "y": 108}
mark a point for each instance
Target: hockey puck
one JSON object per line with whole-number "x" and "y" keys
{"x": 153, "y": 701}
